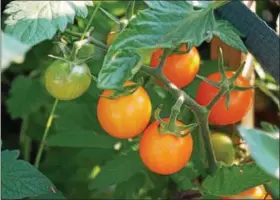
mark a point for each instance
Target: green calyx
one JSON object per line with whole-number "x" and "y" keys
{"x": 75, "y": 55}
{"x": 226, "y": 84}
{"x": 125, "y": 91}
{"x": 171, "y": 126}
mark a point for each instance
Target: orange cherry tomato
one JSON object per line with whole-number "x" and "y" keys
{"x": 253, "y": 193}
{"x": 240, "y": 101}
{"x": 164, "y": 153}
{"x": 180, "y": 69}
{"x": 126, "y": 116}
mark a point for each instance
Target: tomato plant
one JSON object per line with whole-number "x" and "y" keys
{"x": 67, "y": 81}
{"x": 239, "y": 102}
{"x": 125, "y": 116}
{"x": 119, "y": 100}
{"x": 164, "y": 153}
{"x": 181, "y": 68}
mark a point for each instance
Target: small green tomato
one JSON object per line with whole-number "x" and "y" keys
{"x": 223, "y": 148}
{"x": 66, "y": 80}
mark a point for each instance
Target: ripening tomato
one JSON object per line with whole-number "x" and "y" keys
{"x": 240, "y": 101}
{"x": 180, "y": 69}
{"x": 164, "y": 153}
{"x": 67, "y": 81}
{"x": 223, "y": 148}
{"x": 126, "y": 116}
{"x": 253, "y": 193}
{"x": 111, "y": 37}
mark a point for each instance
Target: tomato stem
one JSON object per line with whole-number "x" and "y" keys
{"x": 130, "y": 9}
{"x": 98, "y": 4}
{"x": 175, "y": 110}
{"x": 159, "y": 68}
{"x": 216, "y": 98}
{"x": 110, "y": 16}
{"x": 91, "y": 39}
{"x": 47, "y": 128}
{"x": 25, "y": 141}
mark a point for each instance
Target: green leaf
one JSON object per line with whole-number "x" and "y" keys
{"x": 33, "y": 22}
{"x": 120, "y": 169}
{"x": 271, "y": 128}
{"x": 83, "y": 138}
{"x": 57, "y": 195}
{"x": 26, "y": 96}
{"x": 79, "y": 114}
{"x": 12, "y": 51}
{"x": 19, "y": 179}
{"x": 184, "y": 178}
{"x": 8, "y": 155}
{"x": 164, "y": 25}
{"x": 127, "y": 189}
{"x": 273, "y": 188}
{"x": 198, "y": 157}
{"x": 206, "y": 4}
{"x": 264, "y": 148}
{"x": 229, "y": 35}
{"x": 232, "y": 180}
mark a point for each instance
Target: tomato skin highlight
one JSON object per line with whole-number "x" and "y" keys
{"x": 66, "y": 81}
{"x": 126, "y": 116}
{"x": 180, "y": 69}
{"x": 240, "y": 101}
{"x": 164, "y": 153}
{"x": 253, "y": 193}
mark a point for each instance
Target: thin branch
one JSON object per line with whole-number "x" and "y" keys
{"x": 42, "y": 144}
{"x": 98, "y": 4}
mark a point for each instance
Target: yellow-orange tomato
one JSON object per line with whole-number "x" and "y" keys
{"x": 253, "y": 193}
{"x": 126, "y": 116}
{"x": 164, "y": 153}
{"x": 180, "y": 69}
{"x": 239, "y": 104}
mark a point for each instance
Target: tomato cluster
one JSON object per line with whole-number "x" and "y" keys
{"x": 127, "y": 116}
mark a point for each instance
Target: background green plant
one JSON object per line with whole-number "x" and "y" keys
{"x": 80, "y": 159}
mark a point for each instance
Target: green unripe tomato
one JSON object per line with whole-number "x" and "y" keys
{"x": 67, "y": 81}
{"x": 86, "y": 51}
{"x": 223, "y": 148}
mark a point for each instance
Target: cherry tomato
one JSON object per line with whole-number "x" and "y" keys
{"x": 253, "y": 193}
{"x": 126, "y": 116}
{"x": 240, "y": 101}
{"x": 180, "y": 69}
{"x": 223, "y": 148}
{"x": 111, "y": 37}
{"x": 67, "y": 81}
{"x": 164, "y": 153}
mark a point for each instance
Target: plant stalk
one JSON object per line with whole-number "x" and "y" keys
{"x": 48, "y": 125}
{"x": 95, "y": 41}
{"x": 98, "y": 4}
{"x": 216, "y": 98}
{"x": 24, "y": 139}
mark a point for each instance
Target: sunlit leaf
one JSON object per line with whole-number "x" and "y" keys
{"x": 34, "y": 21}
